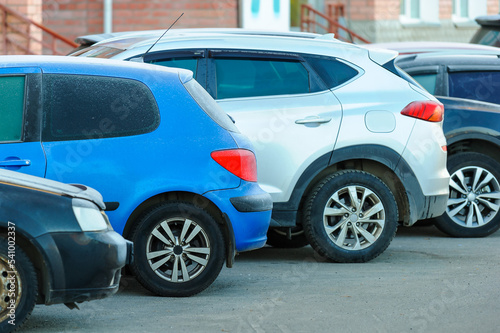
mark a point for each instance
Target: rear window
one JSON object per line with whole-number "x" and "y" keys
{"x": 333, "y": 72}
{"x": 190, "y": 63}
{"x": 104, "y": 52}
{"x": 481, "y": 86}
{"x": 487, "y": 36}
{"x": 209, "y": 106}
{"x": 78, "y": 107}
{"x": 428, "y": 81}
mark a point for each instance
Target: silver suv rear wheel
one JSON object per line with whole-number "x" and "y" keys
{"x": 350, "y": 216}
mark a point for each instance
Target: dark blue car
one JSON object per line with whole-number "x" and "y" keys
{"x": 177, "y": 177}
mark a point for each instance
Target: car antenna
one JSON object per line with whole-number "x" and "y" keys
{"x": 161, "y": 36}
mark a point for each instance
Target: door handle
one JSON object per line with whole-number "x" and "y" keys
{"x": 312, "y": 120}
{"x": 15, "y": 163}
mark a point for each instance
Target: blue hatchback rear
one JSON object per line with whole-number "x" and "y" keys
{"x": 178, "y": 178}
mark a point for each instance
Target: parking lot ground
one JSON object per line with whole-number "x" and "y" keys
{"x": 424, "y": 282}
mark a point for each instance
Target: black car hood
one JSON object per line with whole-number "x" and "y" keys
{"x": 47, "y": 185}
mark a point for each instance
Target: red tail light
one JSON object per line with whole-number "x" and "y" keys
{"x": 425, "y": 110}
{"x": 240, "y": 162}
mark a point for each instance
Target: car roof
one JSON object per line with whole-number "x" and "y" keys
{"x": 425, "y": 47}
{"x": 475, "y": 58}
{"x": 91, "y": 39}
{"x": 91, "y": 66}
{"x": 147, "y": 38}
{"x": 134, "y": 45}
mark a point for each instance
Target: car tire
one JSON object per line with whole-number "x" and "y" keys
{"x": 473, "y": 208}
{"x": 336, "y": 221}
{"x": 179, "y": 249}
{"x": 278, "y": 237}
{"x": 25, "y": 281}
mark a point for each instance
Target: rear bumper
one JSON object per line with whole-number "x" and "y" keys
{"x": 252, "y": 203}
{"x": 248, "y": 210}
{"x": 83, "y": 266}
{"x": 433, "y": 206}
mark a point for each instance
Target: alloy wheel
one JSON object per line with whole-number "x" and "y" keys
{"x": 178, "y": 250}
{"x": 354, "y": 217}
{"x": 474, "y": 197}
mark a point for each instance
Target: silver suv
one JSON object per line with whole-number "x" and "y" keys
{"x": 347, "y": 144}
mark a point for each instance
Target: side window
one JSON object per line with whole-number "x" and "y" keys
{"x": 482, "y": 86}
{"x": 190, "y": 63}
{"x": 428, "y": 81}
{"x": 78, "y": 107}
{"x": 11, "y": 108}
{"x": 332, "y": 71}
{"x": 251, "y": 77}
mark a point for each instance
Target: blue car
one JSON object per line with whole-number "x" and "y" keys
{"x": 176, "y": 175}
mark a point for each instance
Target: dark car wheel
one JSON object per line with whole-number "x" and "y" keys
{"x": 474, "y": 201}
{"x": 278, "y": 237}
{"x": 19, "y": 286}
{"x": 179, "y": 249}
{"x": 350, "y": 216}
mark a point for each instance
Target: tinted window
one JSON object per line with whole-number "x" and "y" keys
{"x": 259, "y": 77}
{"x": 83, "y": 107}
{"x": 482, "y": 86}
{"x": 333, "y": 72}
{"x": 428, "y": 81}
{"x": 11, "y": 107}
{"x": 184, "y": 63}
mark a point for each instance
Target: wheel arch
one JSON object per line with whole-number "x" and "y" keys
{"x": 374, "y": 167}
{"x": 381, "y": 161}
{"x": 474, "y": 142}
{"x": 196, "y": 199}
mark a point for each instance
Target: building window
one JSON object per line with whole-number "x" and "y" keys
{"x": 467, "y": 10}
{"x": 461, "y": 8}
{"x": 410, "y": 8}
{"x": 419, "y": 12}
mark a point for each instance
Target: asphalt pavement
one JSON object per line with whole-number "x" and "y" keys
{"x": 424, "y": 282}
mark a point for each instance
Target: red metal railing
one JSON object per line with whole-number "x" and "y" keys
{"x": 311, "y": 20}
{"x": 21, "y": 35}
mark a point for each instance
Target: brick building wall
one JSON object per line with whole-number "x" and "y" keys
{"x": 32, "y": 10}
{"x": 379, "y": 21}
{"x": 79, "y": 17}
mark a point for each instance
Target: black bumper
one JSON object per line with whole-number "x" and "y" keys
{"x": 83, "y": 266}
{"x": 433, "y": 206}
{"x": 253, "y": 203}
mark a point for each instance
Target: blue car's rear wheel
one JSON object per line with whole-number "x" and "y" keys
{"x": 179, "y": 249}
